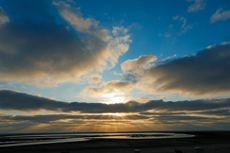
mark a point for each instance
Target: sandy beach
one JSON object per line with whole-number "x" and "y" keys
{"x": 212, "y": 142}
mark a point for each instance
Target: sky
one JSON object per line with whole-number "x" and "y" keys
{"x": 110, "y": 66}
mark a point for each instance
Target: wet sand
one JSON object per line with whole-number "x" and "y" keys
{"x": 212, "y": 142}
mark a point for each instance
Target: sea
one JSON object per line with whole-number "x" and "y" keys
{"x": 10, "y": 140}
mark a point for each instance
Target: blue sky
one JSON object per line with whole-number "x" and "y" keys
{"x": 112, "y": 53}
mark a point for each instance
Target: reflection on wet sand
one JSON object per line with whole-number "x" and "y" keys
{"x": 36, "y": 139}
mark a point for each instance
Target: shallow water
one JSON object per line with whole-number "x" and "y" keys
{"x": 36, "y": 139}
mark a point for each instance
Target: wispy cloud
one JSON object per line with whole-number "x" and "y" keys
{"x": 220, "y": 16}
{"x": 118, "y": 74}
{"x": 184, "y": 21}
{"x": 167, "y": 35}
{"x": 175, "y": 17}
{"x": 197, "y": 6}
{"x": 117, "y": 30}
{"x": 184, "y": 28}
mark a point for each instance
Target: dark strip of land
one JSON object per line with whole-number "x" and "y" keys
{"x": 212, "y": 142}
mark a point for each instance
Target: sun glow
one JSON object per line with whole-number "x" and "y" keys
{"x": 114, "y": 98}
{"x": 114, "y": 114}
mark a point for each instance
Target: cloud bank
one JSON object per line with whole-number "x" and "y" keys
{"x": 205, "y": 73}
{"x": 12, "y": 100}
{"x": 151, "y": 115}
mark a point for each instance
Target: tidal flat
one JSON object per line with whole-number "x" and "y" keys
{"x": 211, "y": 142}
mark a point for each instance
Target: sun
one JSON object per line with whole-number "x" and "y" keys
{"x": 113, "y": 98}
{"x": 114, "y": 114}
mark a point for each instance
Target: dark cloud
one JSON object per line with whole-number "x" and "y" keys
{"x": 204, "y": 73}
{"x": 30, "y": 51}
{"x": 182, "y": 118}
{"x": 163, "y": 113}
{"x": 222, "y": 112}
{"x": 51, "y": 118}
{"x": 11, "y": 100}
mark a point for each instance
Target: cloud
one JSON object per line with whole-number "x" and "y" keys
{"x": 62, "y": 117}
{"x": 94, "y": 79}
{"x": 141, "y": 99}
{"x": 64, "y": 126}
{"x": 205, "y": 73}
{"x": 117, "y": 30}
{"x": 118, "y": 74}
{"x": 207, "y": 113}
{"x": 181, "y": 19}
{"x": 217, "y": 113}
{"x": 182, "y": 118}
{"x": 175, "y": 17}
{"x": 184, "y": 28}
{"x": 139, "y": 62}
{"x": 114, "y": 88}
{"x": 3, "y": 17}
{"x": 220, "y": 15}
{"x": 184, "y": 21}
{"x": 169, "y": 58}
{"x": 167, "y": 35}
{"x": 163, "y": 113}
{"x": 199, "y": 5}
{"x": 187, "y": 115}
{"x": 88, "y": 25}
{"x": 34, "y": 46}
{"x": 12, "y": 100}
